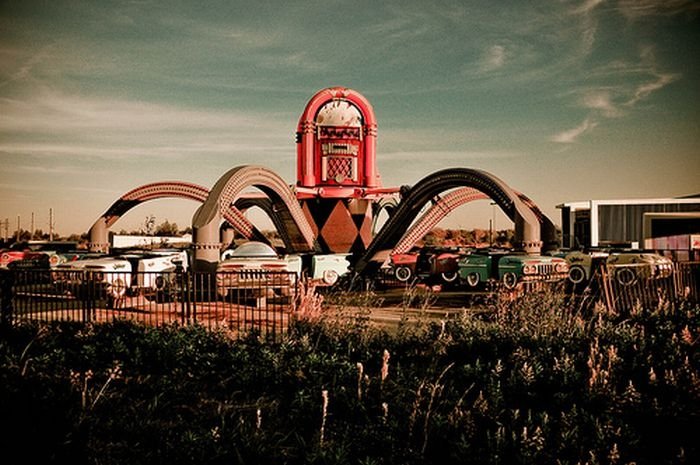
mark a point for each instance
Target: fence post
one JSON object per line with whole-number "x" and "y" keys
{"x": 6, "y": 282}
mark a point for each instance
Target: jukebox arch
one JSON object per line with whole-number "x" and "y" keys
{"x": 444, "y": 205}
{"x": 99, "y": 232}
{"x": 227, "y": 191}
{"x": 527, "y": 225}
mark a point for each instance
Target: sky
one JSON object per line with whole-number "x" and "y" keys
{"x": 562, "y": 100}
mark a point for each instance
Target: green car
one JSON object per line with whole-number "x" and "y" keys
{"x": 510, "y": 269}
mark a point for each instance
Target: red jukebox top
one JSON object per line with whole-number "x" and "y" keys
{"x": 336, "y": 142}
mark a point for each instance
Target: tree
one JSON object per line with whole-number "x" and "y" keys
{"x": 149, "y": 225}
{"x": 167, "y": 228}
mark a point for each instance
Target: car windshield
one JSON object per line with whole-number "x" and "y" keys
{"x": 254, "y": 249}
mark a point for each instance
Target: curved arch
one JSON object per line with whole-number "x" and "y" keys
{"x": 435, "y": 214}
{"x": 445, "y": 205}
{"x": 226, "y": 191}
{"x": 99, "y": 232}
{"x": 527, "y": 226}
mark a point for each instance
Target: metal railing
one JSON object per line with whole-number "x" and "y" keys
{"x": 239, "y": 304}
{"x": 624, "y": 287}
{"x": 264, "y": 303}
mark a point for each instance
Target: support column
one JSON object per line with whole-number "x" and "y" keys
{"x": 206, "y": 245}
{"x": 99, "y": 239}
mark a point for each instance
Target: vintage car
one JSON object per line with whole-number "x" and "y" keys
{"x": 427, "y": 265}
{"x": 255, "y": 267}
{"x": 33, "y": 251}
{"x": 112, "y": 277}
{"x": 321, "y": 269}
{"x": 327, "y": 269}
{"x": 582, "y": 265}
{"x": 510, "y": 268}
{"x": 628, "y": 267}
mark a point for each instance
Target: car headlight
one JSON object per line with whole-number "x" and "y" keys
{"x": 562, "y": 267}
{"x": 530, "y": 269}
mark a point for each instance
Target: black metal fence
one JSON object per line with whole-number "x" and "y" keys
{"x": 238, "y": 302}
{"x": 264, "y": 302}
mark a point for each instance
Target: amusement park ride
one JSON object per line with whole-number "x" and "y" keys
{"x": 337, "y": 198}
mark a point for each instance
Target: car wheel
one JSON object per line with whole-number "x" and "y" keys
{"x": 449, "y": 276}
{"x": 510, "y": 280}
{"x": 626, "y": 277}
{"x": 473, "y": 279}
{"x": 330, "y": 277}
{"x": 403, "y": 273}
{"x": 577, "y": 274}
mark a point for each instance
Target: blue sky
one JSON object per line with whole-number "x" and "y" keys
{"x": 563, "y": 100}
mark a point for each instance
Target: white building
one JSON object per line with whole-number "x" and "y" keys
{"x": 662, "y": 224}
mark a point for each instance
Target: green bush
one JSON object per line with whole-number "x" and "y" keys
{"x": 536, "y": 382}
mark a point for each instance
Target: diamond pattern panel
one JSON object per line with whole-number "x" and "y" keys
{"x": 340, "y": 168}
{"x": 340, "y": 231}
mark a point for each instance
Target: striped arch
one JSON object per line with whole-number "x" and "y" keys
{"x": 446, "y": 204}
{"x": 99, "y": 232}
{"x": 227, "y": 190}
{"x": 527, "y": 225}
{"x": 440, "y": 209}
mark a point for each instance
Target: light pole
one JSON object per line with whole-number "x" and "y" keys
{"x": 492, "y": 222}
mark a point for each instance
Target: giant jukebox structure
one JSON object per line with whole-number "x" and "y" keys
{"x": 337, "y": 197}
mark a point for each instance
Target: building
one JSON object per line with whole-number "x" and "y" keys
{"x": 667, "y": 225}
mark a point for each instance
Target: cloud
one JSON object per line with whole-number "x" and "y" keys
{"x": 570, "y": 136}
{"x": 644, "y": 90}
{"x": 494, "y": 58}
{"x": 442, "y": 156}
{"x": 636, "y": 9}
{"x": 601, "y": 101}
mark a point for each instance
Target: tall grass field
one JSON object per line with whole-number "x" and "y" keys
{"x": 533, "y": 382}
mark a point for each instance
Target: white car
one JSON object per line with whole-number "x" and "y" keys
{"x": 111, "y": 277}
{"x": 327, "y": 269}
{"x": 252, "y": 259}
{"x": 629, "y": 267}
{"x": 256, "y": 267}
{"x": 582, "y": 265}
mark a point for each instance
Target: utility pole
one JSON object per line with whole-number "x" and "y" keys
{"x": 18, "y": 228}
{"x": 31, "y": 228}
{"x": 51, "y": 224}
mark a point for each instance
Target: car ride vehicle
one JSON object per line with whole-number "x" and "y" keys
{"x": 112, "y": 277}
{"x": 628, "y": 267}
{"x": 510, "y": 268}
{"x": 327, "y": 269}
{"x": 582, "y": 264}
{"x": 256, "y": 267}
{"x": 33, "y": 251}
{"x": 427, "y": 264}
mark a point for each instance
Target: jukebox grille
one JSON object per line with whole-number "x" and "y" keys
{"x": 340, "y": 168}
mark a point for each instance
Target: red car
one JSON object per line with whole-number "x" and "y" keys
{"x": 34, "y": 251}
{"x": 427, "y": 265}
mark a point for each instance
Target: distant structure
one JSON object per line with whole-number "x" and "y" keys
{"x": 667, "y": 225}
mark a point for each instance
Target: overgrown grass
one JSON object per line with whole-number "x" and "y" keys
{"x": 536, "y": 382}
